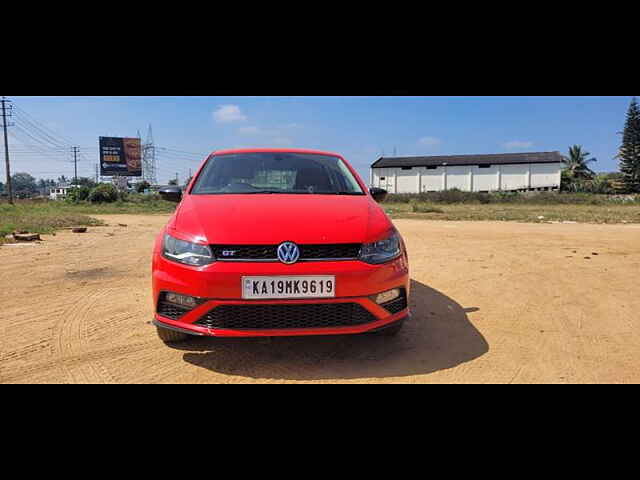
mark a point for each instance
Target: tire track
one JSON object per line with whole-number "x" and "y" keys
{"x": 71, "y": 362}
{"x": 70, "y": 338}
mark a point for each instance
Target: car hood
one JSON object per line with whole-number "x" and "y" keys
{"x": 274, "y": 218}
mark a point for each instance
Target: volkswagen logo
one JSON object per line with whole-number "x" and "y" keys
{"x": 288, "y": 252}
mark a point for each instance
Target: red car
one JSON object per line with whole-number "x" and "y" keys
{"x": 271, "y": 242}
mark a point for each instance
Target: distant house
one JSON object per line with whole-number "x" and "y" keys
{"x": 472, "y": 173}
{"x": 60, "y": 191}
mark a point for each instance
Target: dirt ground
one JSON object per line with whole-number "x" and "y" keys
{"x": 492, "y": 302}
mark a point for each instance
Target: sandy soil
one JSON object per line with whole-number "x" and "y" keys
{"x": 492, "y": 302}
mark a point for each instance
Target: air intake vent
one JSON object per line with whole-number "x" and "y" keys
{"x": 282, "y": 316}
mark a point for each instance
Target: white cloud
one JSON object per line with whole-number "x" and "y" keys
{"x": 429, "y": 141}
{"x": 517, "y": 145}
{"x": 228, "y": 114}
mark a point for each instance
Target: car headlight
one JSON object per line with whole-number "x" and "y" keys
{"x": 186, "y": 252}
{"x": 381, "y": 251}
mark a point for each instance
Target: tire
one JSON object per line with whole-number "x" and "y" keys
{"x": 171, "y": 336}
{"x": 391, "y": 331}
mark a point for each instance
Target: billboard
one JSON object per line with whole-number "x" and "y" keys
{"x": 120, "y": 157}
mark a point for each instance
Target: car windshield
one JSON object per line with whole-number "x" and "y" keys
{"x": 263, "y": 172}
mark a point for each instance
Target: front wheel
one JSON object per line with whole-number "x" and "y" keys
{"x": 171, "y": 336}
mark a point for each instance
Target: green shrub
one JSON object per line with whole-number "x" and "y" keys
{"x": 142, "y": 198}
{"x": 80, "y": 194}
{"x": 450, "y": 197}
{"x": 123, "y": 196}
{"x": 142, "y": 186}
{"x": 103, "y": 193}
{"x": 445, "y": 196}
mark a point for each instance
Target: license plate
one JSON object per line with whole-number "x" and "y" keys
{"x": 317, "y": 286}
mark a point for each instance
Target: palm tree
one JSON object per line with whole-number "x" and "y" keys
{"x": 577, "y": 163}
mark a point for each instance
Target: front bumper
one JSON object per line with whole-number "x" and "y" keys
{"x": 220, "y": 284}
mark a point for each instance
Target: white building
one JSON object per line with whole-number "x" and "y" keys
{"x": 60, "y": 191}
{"x": 471, "y": 173}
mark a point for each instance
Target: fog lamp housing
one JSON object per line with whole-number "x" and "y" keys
{"x": 182, "y": 300}
{"x": 387, "y": 296}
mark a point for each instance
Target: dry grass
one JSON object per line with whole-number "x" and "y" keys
{"x": 606, "y": 213}
{"x": 49, "y": 216}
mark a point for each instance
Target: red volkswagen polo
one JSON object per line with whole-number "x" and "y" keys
{"x": 269, "y": 242}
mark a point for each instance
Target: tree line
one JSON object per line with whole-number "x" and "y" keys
{"x": 578, "y": 177}
{"x": 25, "y": 185}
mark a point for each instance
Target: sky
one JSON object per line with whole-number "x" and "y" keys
{"x": 362, "y": 129}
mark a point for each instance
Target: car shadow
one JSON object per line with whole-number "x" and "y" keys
{"x": 438, "y": 336}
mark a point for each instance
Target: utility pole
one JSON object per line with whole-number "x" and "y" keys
{"x": 6, "y": 148}
{"x": 97, "y": 173}
{"x": 75, "y": 165}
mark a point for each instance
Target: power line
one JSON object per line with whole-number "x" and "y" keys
{"x": 37, "y": 152}
{"x": 178, "y": 158}
{"x": 33, "y": 149}
{"x": 39, "y": 132}
{"x": 44, "y": 127}
{"x": 47, "y": 142}
{"x": 182, "y": 151}
{"x": 39, "y": 143}
{"x": 41, "y": 149}
{"x": 47, "y": 145}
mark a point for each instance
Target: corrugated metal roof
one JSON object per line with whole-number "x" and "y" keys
{"x": 486, "y": 159}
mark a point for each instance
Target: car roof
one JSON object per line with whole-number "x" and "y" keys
{"x": 274, "y": 150}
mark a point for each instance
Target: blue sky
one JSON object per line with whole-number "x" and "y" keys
{"x": 360, "y": 128}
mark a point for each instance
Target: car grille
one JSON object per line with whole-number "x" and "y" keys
{"x": 398, "y": 304}
{"x": 280, "y": 316}
{"x": 268, "y": 253}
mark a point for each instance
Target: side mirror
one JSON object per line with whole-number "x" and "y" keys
{"x": 378, "y": 194}
{"x": 171, "y": 193}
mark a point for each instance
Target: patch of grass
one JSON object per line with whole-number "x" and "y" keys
{"x": 582, "y": 213}
{"x": 425, "y": 208}
{"x": 49, "y": 216}
{"x": 39, "y": 220}
{"x": 450, "y": 197}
